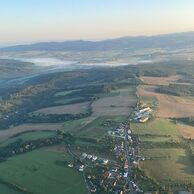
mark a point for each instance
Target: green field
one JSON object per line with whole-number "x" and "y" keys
{"x": 7, "y": 190}
{"x": 168, "y": 165}
{"x": 64, "y": 93}
{"x": 149, "y": 101}
{"x": 67, "y": 100}
{"x": 76, "y": 125}
{"x": 32, "y": 135}
{"x": 156, "y": 127}
{"x": 165, "y": 163}
{"x": 99, "y": 127}
{"x": 130, "y": 90}
{"x": 37, "y": 172}
{"x": 155, "y": 139}
{"x": 93, "y": 127}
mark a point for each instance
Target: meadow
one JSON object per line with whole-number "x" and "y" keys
{"x": 169, "y": 106}
{"x": 7, "y": 133}
{"x": 31, "y": 135}
{"x": 65, "y": 109}
{"x": 168, "y": 165}
{"x": 118, "y": 102}
{"x": 165, "y": 142}
{"x": 109, "y": 97}
{"x": 38, "y": 173}
{"x": 160, "y": 80}
{"x": 165, "y": 127}
{"x": 99, "y": 127}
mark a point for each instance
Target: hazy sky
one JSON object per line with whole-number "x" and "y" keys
{"x": 45, "y": 20}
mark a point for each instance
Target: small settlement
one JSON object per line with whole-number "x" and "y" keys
{"x": 112, "y": 175}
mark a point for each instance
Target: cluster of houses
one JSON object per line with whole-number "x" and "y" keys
{"x": 94, "y": 158}
{"x": 115, "y": 181}
{"x": 122, "y": 134}
{"x": 78, "y": 166}
{"x": 118, "y": 131}
{"x": 112, "y": 177}
{"x": 119, "y": 149}
{"x": 88, "y": 158}
{"x": 143, "y": 114}
{"x": 110, "y": 180}
{"x": 92, "y": 186}
{"x": 135, "y": 187}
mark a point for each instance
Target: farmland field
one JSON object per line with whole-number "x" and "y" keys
{"x": 7, "y": 133}
{"x": 168, "y": 165}
{"x": 157, "y": 127}
{"x": 7, "y": 190}
{"x": 94, "y": 127}
{"x": 31, "y": 135}
{"x": 107, "y": 101}
{"x": 164, "y": 127}
{"x": 168, "y": 159}
{"x": 155, "y": 138}
{"x": 98, "y": 127}
{"x": 67, "y": 100}
{"x": 175, "y": 163}
{"x": 64, "y": 93}
{"x": 115, "y": 105}
{"x": 168, "y": 106}
{"x": 160, "y": 80}
{"x": 76, "y": 125}
{"x": 37, "y": 173}
{"x": 65, "y": 109}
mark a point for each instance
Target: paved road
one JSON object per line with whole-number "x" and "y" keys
{"x": 130, "y": 166}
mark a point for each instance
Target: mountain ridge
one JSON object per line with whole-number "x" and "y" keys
{"x": 164, "y": 41}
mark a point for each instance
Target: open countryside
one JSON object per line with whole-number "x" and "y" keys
{"x": 93, "y": 135}
{"x": 169, "y": 106}
{"x": 96, "y": 97}
{"x": 163, "y": 138}
{"x": 71, "y": 109}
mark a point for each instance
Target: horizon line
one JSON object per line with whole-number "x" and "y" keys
{"x": 4, "y": 45}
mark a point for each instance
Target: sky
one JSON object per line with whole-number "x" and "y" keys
{"x": 24, "y": 21}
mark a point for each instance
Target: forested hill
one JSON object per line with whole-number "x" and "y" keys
{"x": 167, "y": 42}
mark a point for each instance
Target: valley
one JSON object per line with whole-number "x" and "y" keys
{"x": 79, "y": 122}
{"x": 96, "y": 97}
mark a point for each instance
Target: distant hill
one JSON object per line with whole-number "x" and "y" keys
{"x": 13, "y": 68}
{"x": 167, "y": 42}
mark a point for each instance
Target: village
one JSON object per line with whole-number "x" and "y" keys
{"x": 110, "y": 176}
